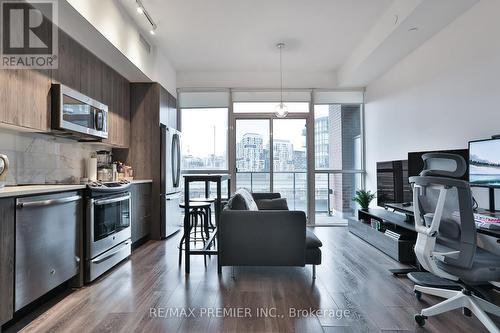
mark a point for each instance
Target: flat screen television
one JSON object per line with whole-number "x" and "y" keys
{"x": 484, "y": 162}
{"x": 392, "y": 182}
{"x": 416, "y": 164}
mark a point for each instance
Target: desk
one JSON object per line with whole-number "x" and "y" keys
{"x": 487, "y": 239}
{"x": 408, "y": 210}
{"x": 207, "y": 179}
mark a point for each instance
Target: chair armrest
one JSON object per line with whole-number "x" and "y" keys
{"x": 262, "y": 238}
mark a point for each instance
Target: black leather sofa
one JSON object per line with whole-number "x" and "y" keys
{"x": 267, "y": 237}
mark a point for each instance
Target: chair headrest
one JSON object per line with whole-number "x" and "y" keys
{"x": 444, "y": 165}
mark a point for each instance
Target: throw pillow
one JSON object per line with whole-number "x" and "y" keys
{"x": 236, "y": 202}
{"x": 272, "y": 204}
{"x": 247, "y": 196}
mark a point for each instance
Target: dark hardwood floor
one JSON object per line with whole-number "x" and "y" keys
{"x": 353, "y": 286}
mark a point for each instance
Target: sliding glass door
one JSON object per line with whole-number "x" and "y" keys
{"x": 271, "y": 156}
{"x": 252, "y": 154}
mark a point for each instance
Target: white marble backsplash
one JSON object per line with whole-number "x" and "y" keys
{"x": 39, "y": 158}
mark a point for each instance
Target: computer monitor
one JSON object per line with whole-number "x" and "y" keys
{"x": 392, "y": 182}
{"x": 416, "y": 163}
{"x": 484, "y": 162}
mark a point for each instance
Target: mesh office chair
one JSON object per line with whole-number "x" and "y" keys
{"x": 443, "y": 208}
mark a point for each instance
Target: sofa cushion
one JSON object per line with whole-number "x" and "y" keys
{"x": 312, "y": 241}
{"x": 236, "y": 202}
{"x": 247, "y": 196}
{"x": 272, "y": 204}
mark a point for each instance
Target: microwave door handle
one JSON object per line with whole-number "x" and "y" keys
{"x": 98, "y": 119}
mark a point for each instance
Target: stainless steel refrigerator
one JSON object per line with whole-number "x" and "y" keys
{"x": 170, "y": 181}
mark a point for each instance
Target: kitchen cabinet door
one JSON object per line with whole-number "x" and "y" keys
{"x": 7, "y": 236}
{"x": 25, "y": 98}
{"x": 141, "y": 211}
{"x": 116, "y": 95}
{"x": 69, "y": 70}
{"x": 172, "y": 112}
{"x": 91, "y": 72}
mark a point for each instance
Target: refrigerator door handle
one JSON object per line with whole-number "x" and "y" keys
{"x": 173, "y": 197}
{"x": 176, "y": 160}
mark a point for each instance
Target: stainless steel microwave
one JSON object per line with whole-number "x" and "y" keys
{"x": 77, "y": 115}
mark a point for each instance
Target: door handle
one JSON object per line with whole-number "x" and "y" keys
{"x": 49, "y": 202}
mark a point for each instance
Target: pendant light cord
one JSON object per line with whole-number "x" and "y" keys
{"x": 281, "y": 77}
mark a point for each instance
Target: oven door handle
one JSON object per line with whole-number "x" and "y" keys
{"x": 108, "y": 201}
{"x": 112, "y": 253}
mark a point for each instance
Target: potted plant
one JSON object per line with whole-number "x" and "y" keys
{"x": 363, "y": 199}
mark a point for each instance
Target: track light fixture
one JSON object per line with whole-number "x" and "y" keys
{"x": 142, "y": 10}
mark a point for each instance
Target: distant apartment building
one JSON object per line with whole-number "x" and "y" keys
{"x": 250, "y": 153}
{"x": 337, "y": 144}
{"x": 282, "y": 155}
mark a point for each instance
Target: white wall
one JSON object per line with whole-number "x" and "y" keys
{"x": 114, "y": 23}
{"x": 256, "y": 79}
{"x": 442, "y": 95}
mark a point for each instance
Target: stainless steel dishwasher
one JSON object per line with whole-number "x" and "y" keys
{"x": 47, "y": 244}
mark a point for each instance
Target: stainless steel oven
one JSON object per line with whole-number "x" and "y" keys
{"x": 108, "y": 227}
{"x": 77, "y": 115}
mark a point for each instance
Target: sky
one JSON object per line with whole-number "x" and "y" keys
{"x": 198, "y": 136}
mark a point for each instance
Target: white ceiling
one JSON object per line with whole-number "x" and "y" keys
{"x": 240, "y": 35}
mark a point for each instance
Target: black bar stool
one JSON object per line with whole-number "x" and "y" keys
{"x": 198, "y": 217}
{"x": 210, "y": 201}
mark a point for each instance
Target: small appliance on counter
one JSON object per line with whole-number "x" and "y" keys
{"x": 4, "y": 169}
{"x": 104, "y": 166}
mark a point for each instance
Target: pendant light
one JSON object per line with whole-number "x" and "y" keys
{"x": 281, "y": 110}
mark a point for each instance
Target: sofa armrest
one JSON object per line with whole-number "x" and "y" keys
{"x": 262, "y": 238}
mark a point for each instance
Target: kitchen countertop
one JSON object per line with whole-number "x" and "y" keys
{"x": 141, "y": 181}
{"x": 21, "y": 190}
{"x": 16, "y": 191}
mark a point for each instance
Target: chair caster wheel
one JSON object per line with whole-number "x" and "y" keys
{"x": 467, "y": 312}
{"x": 418, "y": 295}
{"x": 420, "y": 319}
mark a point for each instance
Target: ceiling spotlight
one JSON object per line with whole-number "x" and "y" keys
{"x": 152, "y": 32}
{"x": 140, "y": 10}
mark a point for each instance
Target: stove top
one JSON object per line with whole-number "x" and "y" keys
{"x": 108, "y": 187}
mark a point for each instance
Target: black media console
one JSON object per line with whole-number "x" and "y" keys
{"x": 394, "y": 233}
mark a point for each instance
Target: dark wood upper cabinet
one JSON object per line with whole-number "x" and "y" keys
{"x": 172, "y": 112}
{"x": 81, "y": 70}
{"x": 69, "y": 69}
{"x": 25, "y": 94}
{"x": 25, "y": 98}
{"x": 91, "y": 75}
